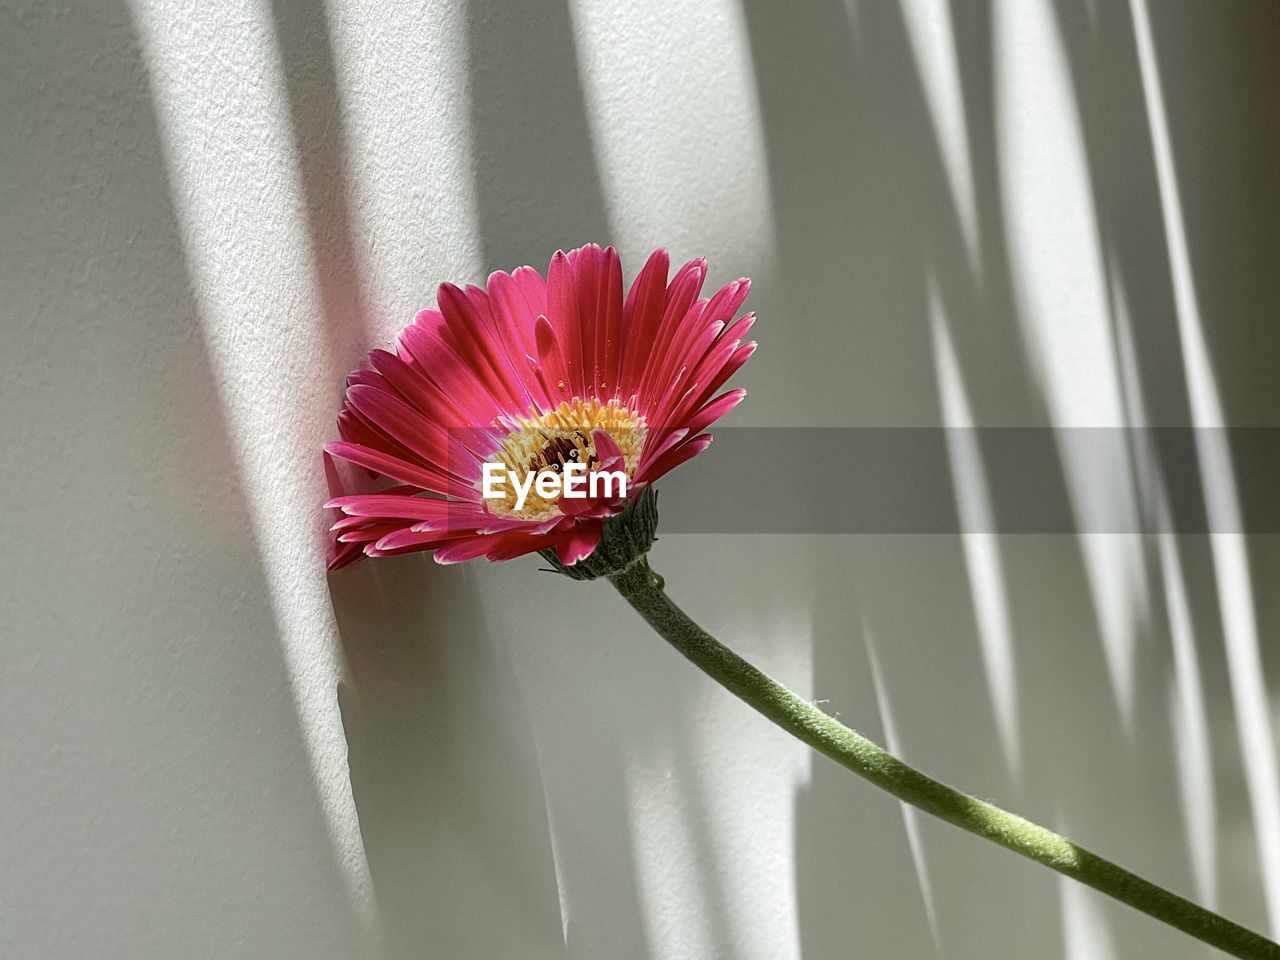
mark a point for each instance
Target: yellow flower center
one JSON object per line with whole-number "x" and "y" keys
{"x": 548, "y": 441}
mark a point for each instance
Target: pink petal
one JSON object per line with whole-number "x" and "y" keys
{"x": 641, "y": 314}
{"x": 398, "y": 469}
{"x": 480, "y": 546}
{"x": 533, "y": 287}
{"x": 370, "y": 531}
{"x": 382, "y": 505}
{"x": 668, "y": 442}
{"x": 510, "y": 549}
{"x": 578, "y": 543}
{"x": 515, "y": 318}
{"x": 681, "y": 295}
{"x": 609, "y": 338}
{"x": 470, "y": 321}
{"x": 554, "y": 369}
{"x": 438, "y": 361}
{"x": 716, "y": 409}
{"x": 673, "y": 458}
{"x": 607, "y": 451}
{"x": 343, "y": 555}
{"x": 562, "y": 303}
{"x": 427, "y": 440}
{"x": 575, "y": 506}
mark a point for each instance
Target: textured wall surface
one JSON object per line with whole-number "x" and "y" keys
{"x": 1042, "y": 212}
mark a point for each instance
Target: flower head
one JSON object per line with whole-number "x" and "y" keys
{"x": 532, "y": 374}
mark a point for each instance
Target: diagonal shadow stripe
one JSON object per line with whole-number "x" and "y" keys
{"x": 166, "y": 806}
{"x": 536, "y": 174}
{"x": 321, "y": 147}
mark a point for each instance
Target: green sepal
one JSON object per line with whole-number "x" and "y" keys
{"x": 625, "y": 539}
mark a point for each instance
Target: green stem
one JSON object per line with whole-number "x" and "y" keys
{"x": 642, "y": 588}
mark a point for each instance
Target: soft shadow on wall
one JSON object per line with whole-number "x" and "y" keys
{"x": 1214, "y": 63}
{"x": 321, "y": 145}
{"x": 453, "y": 813}
{"x": 865, "y": 221}
{"x": 864, "y": 216}
{"x": 537, "y": 177}
{"x": 166, "y": 805}
{"x": 538, "y": 188}
{"x": 865, "y": 224}
{"x": 444, "y": 770}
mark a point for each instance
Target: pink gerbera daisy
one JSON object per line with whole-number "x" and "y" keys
{"x": 531, "y": 373}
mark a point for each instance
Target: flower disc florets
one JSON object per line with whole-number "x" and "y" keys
{"x": 551, "y": 441}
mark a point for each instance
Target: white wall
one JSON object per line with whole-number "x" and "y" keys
{"x": 1017, "y": 213}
